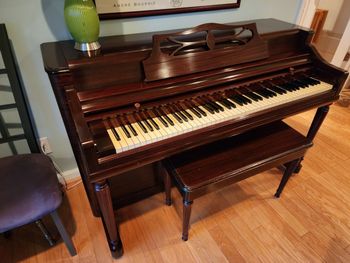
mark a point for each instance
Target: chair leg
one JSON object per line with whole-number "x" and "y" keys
{"x": 167, "y": 188}
{"x": 67, "y": 240}
{"x": 289, "y": 171}
{"x": 45, "y": 232}
{"x": 7, "y": 234}
{"x": 187, "y": 205}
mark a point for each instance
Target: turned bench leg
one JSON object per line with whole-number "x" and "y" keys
{"x": 186, "y": 218}
{"x": 289, "y": 171}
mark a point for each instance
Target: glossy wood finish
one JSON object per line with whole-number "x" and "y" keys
{"x": 290, "y": 168}
{"x": 317, "y": 121}
{"x": 186, "y": 215}
{"x": 213, "y": 166}
{"x": 91, "y": 87}
{"x": 105, "y": 203}
{"x": 212, "y": 46}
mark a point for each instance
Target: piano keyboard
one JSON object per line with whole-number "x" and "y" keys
{"x": 152, "y": 125}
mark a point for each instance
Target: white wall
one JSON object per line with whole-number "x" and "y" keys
{"x": 333, "y": 7}
{"x": 30, "y": 23}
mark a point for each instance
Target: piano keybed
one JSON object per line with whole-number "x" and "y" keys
{"x": 139, "y": 128}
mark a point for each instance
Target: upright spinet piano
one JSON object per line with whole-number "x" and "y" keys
{"x": 145, "y": 97}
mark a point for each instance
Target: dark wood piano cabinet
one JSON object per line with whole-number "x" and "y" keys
{"x": 211, "y": 67}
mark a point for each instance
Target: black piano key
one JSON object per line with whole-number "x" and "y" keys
{"x": 185, "y": 112}
{"x": 202, "y": 112}
{"x": 128, "y": 124}
{"x": 214, "y": 103}
{"x": 282, "y": 88}
{"x": 289, "y": 87}
{"x": 316, "y": 81}
{"x": 225, "y": 104}
{"x": 246, "y": 98}
{"x": 237, "y": 100}
{"x": 165, "y": 116}
{"x": 209, "y": 108}
{"x": 160, "y": 118}
{"x": 302, "y": 84}
{"x": 270, "y": 92}
{"x": 251, "y": 96}
{"x": 306, "y": 83}
{"x": 210, "y": 104}
{"x": 229, "y": 102}
{"x": 206, "y": 106}
{"x": 294, "y": 85}
{"x": 263, "y": 93}
{"x": 242, "y": 99}
{"x": 144, "y": 119}
{"x": 192, "y": 108}
{"x": 116, "y": 135}
{"x": 278, "y": 90}
{"x": 174, "y": 114}
{"x": 139, "y": 122}
{"x": 143, "y": 128}
{"x": 150, "y": 119}
{"x": 298, "y": 83}
{"x": 126, "y": 132}
{"x": 194, "y": 105}
{"x": 195, "y": 112}
{"x": 179, "y": 112}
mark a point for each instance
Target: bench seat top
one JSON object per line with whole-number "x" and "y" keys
{"x": 207, "y": 165}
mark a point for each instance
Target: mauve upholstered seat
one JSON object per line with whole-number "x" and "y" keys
{"x": 29, "y": 189}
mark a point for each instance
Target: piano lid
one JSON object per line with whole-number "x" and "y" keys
{"x": 57, "y": 55}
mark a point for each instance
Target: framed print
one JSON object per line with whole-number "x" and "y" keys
{"x": 110, "y": 9}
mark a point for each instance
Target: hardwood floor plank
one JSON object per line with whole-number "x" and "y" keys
{"x": 226, "y": 245}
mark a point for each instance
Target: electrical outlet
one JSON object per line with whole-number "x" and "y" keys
{"x": 45, "y": 146}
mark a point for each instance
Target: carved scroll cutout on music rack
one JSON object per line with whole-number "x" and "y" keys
{"x": 205, "y": 47}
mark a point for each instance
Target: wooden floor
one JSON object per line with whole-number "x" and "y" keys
{"x": 240, "y": 223}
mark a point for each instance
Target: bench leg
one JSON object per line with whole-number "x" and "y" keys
{"x": 186, "y": 219}
{"x": 289, "y": 171}
{"x": 167, "y": 188}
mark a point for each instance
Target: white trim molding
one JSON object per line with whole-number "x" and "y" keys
{"x": 306, "y": 13}
{"x": 71, "y": 174}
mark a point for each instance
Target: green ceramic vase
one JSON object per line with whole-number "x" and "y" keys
{"x": 82, "y": 21}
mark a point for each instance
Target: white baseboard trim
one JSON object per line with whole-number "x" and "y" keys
{"x": 72, "y": 174}
{"x": 70, "y": 179}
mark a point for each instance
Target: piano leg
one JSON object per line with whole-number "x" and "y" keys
{"x": 317, "y": 122}
{"x": 105, "y": 203}
{"x": 320, "y": 115}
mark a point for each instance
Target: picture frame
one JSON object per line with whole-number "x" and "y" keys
{"x": 113, "y": 9}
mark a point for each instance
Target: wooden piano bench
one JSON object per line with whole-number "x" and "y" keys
{"x": 211, "y": 167}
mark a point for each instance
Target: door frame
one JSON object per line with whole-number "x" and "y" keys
{"x": 305, "y": 16}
